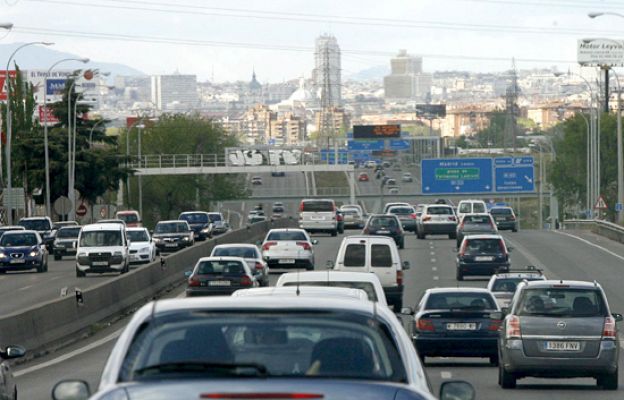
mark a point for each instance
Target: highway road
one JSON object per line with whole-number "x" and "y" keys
{"x": 564, "y": 255}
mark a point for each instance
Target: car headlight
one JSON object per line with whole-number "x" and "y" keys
{"x": 144, "y": 250}
{"x": 156, "y": 240}
{"x": 117, "y": 253}
{"x": 2, "y": 255}
{"x": 185, "y": 238}
{"x": 81, "y": 254}
{"x": 34, "y": 253}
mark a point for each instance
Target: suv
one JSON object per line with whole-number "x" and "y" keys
{"x": 43, "y": 226}
{"x": 102, "y": 248}
{"x": 318, "y": 215}
{"x": 200, "y": 223}
{"x": 173, "y": 235}
{"x": 505, "y": 218}
{"x": 482, "y": 255}
{"x": 559, "y": 329}
{"x": 471, "y": 207}
{"x": 436, "y": 219}
{"x": 503, "y": 285}
{"x": 376, "y": 254}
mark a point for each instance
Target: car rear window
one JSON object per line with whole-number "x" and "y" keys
{"x": 500, "y": 211}
{"x": 355, "y": 255}
{"x": 510, "y": 284}
{"x": 401, "y": 210}
{"x": 317, "y": 206}
{"x": 381, "y": 256}
{"x": 69, "y": 232}
{"x": 439, "y": 211}
{"x": 214, "y": 217}
{"x": 220, "y": 268}
{"x": 561, "y": 302}
{"x": 478, "y": 208}
{"x": 483, "y": 246}
{"x": 383, "y": 222}
{"x": 244, "y": 252}
{"x": 456, "y": 300}
{"x": 365, "y": 286}
{"x": 128, "y": 217}
{"x": 477, "y": 220}
{"x": 287, "y": 235}
{"x": 465, "y": 208}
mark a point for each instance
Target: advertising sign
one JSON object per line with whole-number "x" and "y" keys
{"x": 376, "y": 131}
{"x": 3, "y": 93}
{"x": 46, "y": 116}
{"x": 55, "y": 86}
{"x": 600, "y": 52}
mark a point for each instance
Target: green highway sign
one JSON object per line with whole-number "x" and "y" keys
{"x": 445, "y": 174}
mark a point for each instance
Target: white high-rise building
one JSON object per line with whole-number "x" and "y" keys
{"x": 174, "y": 92}
{"x": 327, "y": 70}
{"x": 407, "y": 80}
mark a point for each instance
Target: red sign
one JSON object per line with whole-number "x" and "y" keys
{"x": 134, "y": 121}
{"x": 81, "y": 211}
{"x": 3, "y": 93}
{"x": 46, "y": 116}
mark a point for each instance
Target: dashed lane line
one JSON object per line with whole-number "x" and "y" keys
{"x": 446, "y": 374}
{"x": 26, "y": 287}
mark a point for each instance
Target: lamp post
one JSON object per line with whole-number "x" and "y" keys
{"x": 9, "y": 125}
{"x": 8, "y": 26}
{"x": 45, "y": 128}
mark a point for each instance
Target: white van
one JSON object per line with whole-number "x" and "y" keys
{"x": 318, "y": 215}
{"x": 471, "y": 207}
{"x": 102, "y": 248}
{"x": 379, "y": 255}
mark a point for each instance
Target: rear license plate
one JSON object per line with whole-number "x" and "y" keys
{"x": 484, "y": 258}
{"x": 287, "y": 261}
{"x": 171, "y": 245}
{"x": 18, "y": 261}
{"x": 219, "y": 283}
{"x": 562, "y": 346}
{"x": 461, "y": 326}
{"x": 383, "y": 232}
{"x": 100, "y": 263}
{"x": 499, "y": 219}
{"x": 317, "y": 218}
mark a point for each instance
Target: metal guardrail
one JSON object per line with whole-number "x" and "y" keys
{"x": 599, "y": 227}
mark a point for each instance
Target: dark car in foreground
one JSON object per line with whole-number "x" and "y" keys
{"x": 200, "y": 223}
{"x": 559, "y": 329}
{"x": 262, "y": 347}
{"x": 22, "y": 251}
{"x": 481, "y": 255}
{"x": 172, "y": 235}
{"x": 219, "y": 276}
{"x": 385, "y": 225}
{"x": 456, "y": 322}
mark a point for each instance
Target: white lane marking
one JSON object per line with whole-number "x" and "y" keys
{"x": 432, "y": 253}
{"x": 25, "y": 287}
{"x": 433, "y": 260}
{"x": 592, "y": 244}
{"x": 434, "y": 268}
{"x": 436, "y": 278}
{"x": 76, "y": 352}
{"x": 430, "y": 243}
{"x": 446, "y": 374}
{"x": 54, "y": 278}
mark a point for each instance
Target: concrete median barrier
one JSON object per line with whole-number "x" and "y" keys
{"x": 46, "y": 325}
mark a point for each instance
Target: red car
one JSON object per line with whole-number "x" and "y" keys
{"x": 363, "y": 177}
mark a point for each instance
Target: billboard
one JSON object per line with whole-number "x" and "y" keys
{"x": 3, "y": 93}
{"x": 376, "y": 131}
{"x": 55, "y": 86}
{"x": 600, "y": 52}
{"x": 431, "y": 110}
{"x": 46, "y": 116}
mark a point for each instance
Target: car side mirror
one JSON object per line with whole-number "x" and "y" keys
{"x": 457, "y": 390}
{"x": 406, "y": 265}
{"x": 13, "y": 351}
{"x": 329, "y": 264}
{"x": 618, "y": 317}
{"x": 496, "y": 315}
{"x": 407, "y": 311}
{"x": 510, "y": 249}
{"x": 314, "y": 241}
{"x": 188, "y": 274}
{"x": 71, "y": 390}
{"x": 151, "y": 231}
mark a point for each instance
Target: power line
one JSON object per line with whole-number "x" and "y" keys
{"x": 553, "y": 4}
{"x": 195, "y": 10}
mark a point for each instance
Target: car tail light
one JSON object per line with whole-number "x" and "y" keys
{"x": 424, "y": 325}
{"x": 494, "y": 325}
{"x": 399, "y": 278}
{"x": 462, "y": 250}
{"x": 339, "y": 217}
{"x": 259, "y": 266}
{"x": 426, "y": 218}
{"x": 305, "y": 245}
{"x": 268, "y": 245}
{"x": 609, "y": 331}
{"x": 461, "y": 226}
{"x": 511, "y": 218}
{"x": 512, "y": 330}
{"x": 301, "y": 207}
{"x": 194, "y": 281}
{"x": 502, "y": 247}
{"x": 262, "y": 395}
{"x": 246, "y": 281}
{"x": 412, "y": 216}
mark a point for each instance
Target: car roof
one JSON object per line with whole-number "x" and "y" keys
{"x": 225, "y": 245}
{"x": 357, "y": 238}
{"x": 521, "y": 275}
{"x": 457, "y": 290}
{"x": 286, "y": 230}
{"x": 471, "y": 200}
{"x": 224, "y": 258}
{"x": 18, "y": 232}
{"x": 67, "y": 227}
{"x": 14, "y": 227}
{"x": 103, "y": 227}
{"x": 501, "y": 207}
{"x": 330, "y": 276}
{"x": 135, "y": 229}
{"x": 485, "y": 236}
{"x": 33, "y": 218}
{"x": 550, "y": 283}
{"x": 436, "y": 205}
{"x": 305, "y": 291}
{"x": 193, "y": 212}
{"x": 169, "y": 221}
{"x": 127, "y": 212}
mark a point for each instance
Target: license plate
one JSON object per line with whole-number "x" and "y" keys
{"x": 100, "y": 263}
{"x": 484, "y": 258}
{"x": 171, "y": 245}
{"x": 219, "y": 283}
{"x": 499, "y": 219}
{"x": 317, "y": 218}
{"x": 287, "y": 261}
{"x": 562, "y": 346}
{"x": 383, "y": 231}
{"x": 18, "y": 261}
{"x": 461, "y": 326}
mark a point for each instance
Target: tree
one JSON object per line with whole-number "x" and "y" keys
{"x": 165, "y": 196}
{"x": 493, "y": 135}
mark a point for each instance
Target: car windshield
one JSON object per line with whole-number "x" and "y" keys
{"x": 138, "y": 236}
{"x": 286, "y": 235}
{"x": 36, "y": 224}
{"x": 18, "y": 239}
{"x": 509, "y": 284}
{"x": 365, "y": 286}
{"x": 561, "y": 302}
{"x": 170, "y": 227}
{"x": 483, "y": 246}
{"x": 68, "y": 232}
{"x": 439, "y": 211}
{"x": 244, "y": 252}
{"x": 128, "y": 218}
{"x": 317, "y": 206}
{"x": 195, "y": 218}
{"x": 100, "y": 239}
{"x": 500, "y": 211}
{"x": 460, "y": 300}
{"x": 302, "y": 345}
{"x": 215, "y": 217}
{"x": 220, "y": 268}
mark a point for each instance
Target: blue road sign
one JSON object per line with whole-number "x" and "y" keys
{"x": 460, "y": 175}
{"x": 330, "y": 155}
{"x": 365, "y": 145}
{"x": 271, "y": 142}
{"x": 618, "y": 207}
{"x": 526, "y": 160}
{"x": 399, "y": 144}
{"x": 503, "y": 161}
{"x": 55, "y": 86}
{"x": 515, "y": 179}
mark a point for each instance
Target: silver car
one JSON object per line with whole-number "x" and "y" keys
{"x": 559, "y": 329}
{"x": 288, "y": 248}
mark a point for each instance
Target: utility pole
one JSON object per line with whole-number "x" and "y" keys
{"x": 511, "y": 98}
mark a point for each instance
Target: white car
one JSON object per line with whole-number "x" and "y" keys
{"x": 102, "y": 248}
{"x": 306, "y": 291}
{"x": 326, "y": 347}
{"x": 357, "y": 280}
{"x": 142, "y": 249}
{"x": 288, "y": 248}
{"x": 503, "y": 285}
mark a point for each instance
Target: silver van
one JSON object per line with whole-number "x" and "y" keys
{"x": 318, "y": 215}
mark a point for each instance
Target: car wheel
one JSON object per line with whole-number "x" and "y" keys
{"x": 452, "y": 235}
{"x": 514, "y": 230}
{"x": 46, "y": 266}
{"x": 505, "y": 379}
{"x": 608, "y": 381}
{"x": 459, "y": 276}
{"x": 80, "y": 274}
{"x": 494, "y": 360}
{"x": 57, "y": 257}
{"x": 41, "y": 267}
{"x": 334, "y": 233}
{"x": 402, "y": 244}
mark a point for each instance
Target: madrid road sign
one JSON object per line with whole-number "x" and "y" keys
{"x": 460, "y": 175}
{"x": 514, "y": 179}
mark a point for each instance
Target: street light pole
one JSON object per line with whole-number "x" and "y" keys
{"x": 8, "y": 26}
{"x": 9, "y": 123}
{"x": 45, "y": 128}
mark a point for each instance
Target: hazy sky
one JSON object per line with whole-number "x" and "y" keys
{"x": 230, "y": 37}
